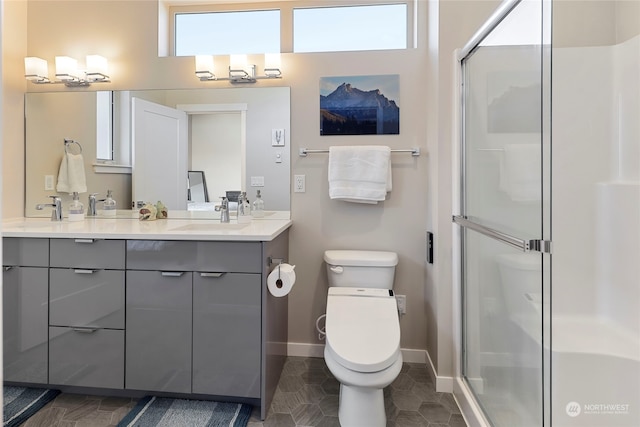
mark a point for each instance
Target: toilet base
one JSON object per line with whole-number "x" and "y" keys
{"x": 361, "y": 407}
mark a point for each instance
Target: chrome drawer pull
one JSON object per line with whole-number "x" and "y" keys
{"x": 212, "y": 274}
{"x": 83, "y": 330}
{"x": 7, "y": 267}
{"x": 85, "y": 240}
{"x": 84, "y": 271}
{"x": 172, "y": 273}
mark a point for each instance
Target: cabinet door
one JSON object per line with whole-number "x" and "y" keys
{"x": 25, "y": 302}
{"x": 86, "y": 357}
{"x": 226, "y": 334}
{"x": 159, "y": 314}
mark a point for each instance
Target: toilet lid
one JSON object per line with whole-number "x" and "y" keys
{"x": 362, "y": 327}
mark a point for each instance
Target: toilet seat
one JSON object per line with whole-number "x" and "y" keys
{"x": 362, "y": 328}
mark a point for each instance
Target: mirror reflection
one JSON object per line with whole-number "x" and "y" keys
{"x": 197, "y": 191}
{"x": 225, "y": 135}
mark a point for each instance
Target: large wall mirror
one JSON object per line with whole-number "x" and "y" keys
{"x": 228, "y": 137}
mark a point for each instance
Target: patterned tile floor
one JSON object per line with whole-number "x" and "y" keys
{"x": 307, "y": 395}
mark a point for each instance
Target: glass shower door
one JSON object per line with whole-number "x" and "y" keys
{"x": 503, "y": 217}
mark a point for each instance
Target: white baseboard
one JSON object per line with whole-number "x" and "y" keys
{"x": 299, "y": 349}
{"x": 443, "y": 384}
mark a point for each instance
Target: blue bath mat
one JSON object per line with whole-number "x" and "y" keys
{"x": 154, "y": 411}
{"x": 20, "y": 403}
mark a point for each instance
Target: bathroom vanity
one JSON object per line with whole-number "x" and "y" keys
{"x": 129, "y": 308}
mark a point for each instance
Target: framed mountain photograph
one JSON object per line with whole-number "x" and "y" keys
{"x": 360, "y": 105}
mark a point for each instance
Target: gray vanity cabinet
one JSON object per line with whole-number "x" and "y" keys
{"x": 170, "y": 317}
{"x": 25, "y": 309}
{"x": 223, "y": 330}
{"x": 87, "y": 315}
{"x": 158, "y": 350}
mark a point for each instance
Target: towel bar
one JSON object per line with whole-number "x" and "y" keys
{"x": 414, "y": 151}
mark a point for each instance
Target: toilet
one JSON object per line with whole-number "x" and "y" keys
{"x": 362, "y": 328}
{"x": 521, "y": 282}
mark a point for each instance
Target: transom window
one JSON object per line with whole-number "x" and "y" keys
{"x": 296, "y": 26}
{"x": 225, "y": 33}
{"x": 326, "y": 29}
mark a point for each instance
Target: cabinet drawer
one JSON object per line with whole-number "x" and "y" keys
{"x": 163, "y": 255}
{"x": 84, "y": 297}
{"x": 236, "y": 257}
{"x": 87, "y": 253}
{"x": 87, "y": 358}
{"x": 26, "y": 252}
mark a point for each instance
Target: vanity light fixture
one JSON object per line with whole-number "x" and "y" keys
{"x": 239, "y": 70}
{"x": 67, "y": 71}
{"x": 36, "y": 69}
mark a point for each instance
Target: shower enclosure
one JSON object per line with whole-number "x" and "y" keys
{"x": 549, "y": 215}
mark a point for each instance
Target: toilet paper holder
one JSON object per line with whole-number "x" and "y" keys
{"x": 273, "y": 261}
{"x": 278, "y": 262}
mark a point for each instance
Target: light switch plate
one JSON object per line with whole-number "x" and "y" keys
{"x": 277, "y": 137}
{"x": 48, "y": 182}
{"x": 257, "y": 181}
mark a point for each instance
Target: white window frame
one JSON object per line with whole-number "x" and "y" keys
{"x": 121, "y": 139}
{"x": 171, "y": 7}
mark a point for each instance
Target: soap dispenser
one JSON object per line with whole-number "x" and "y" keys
{"x": 258, "y": 206}
{"x": 76, "y": 209}
{"x": 109, "y": 205}
{"x": 244, "y": 209}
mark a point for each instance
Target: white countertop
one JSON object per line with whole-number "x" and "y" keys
{"x": 161, "y": 229}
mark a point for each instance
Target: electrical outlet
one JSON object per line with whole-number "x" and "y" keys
{"x": 401, "y": 300}
{"x": 299, "y": 184}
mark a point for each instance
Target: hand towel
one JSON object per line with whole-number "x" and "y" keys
{"x": 71, "y": 177}
{"x": 360, "y": 174}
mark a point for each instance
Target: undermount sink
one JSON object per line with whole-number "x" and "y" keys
{"x": 219, "y": 226}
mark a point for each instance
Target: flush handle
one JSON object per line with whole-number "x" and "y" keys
{"x": 336, "y": 269}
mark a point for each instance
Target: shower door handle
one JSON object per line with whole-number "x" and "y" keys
{"x": 537, "y": 245}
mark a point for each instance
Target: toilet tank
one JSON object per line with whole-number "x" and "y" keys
{"x": 521, "y": 282}
{"x": 363, "y": 269}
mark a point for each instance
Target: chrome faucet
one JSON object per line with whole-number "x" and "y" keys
{"x": 56, "y": 204}
{"x": 91, "y": 210}
{"x": 224, "y": 210}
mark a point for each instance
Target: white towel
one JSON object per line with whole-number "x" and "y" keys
{"x": 520, "y": 172}
{"x": 71, "y": 176}
{"x": 360, "y": 174}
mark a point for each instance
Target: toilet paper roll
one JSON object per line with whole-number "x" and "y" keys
{"x": 281, "y": 280}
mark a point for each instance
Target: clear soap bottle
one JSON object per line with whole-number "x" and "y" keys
{"x": 109, "y": 205}
{"x": 258, "y": 206}
{"x": 76, "y": 209}
{"x": 244, "y": 209}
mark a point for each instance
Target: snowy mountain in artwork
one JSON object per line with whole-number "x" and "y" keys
{"x": 351, "y": 111}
